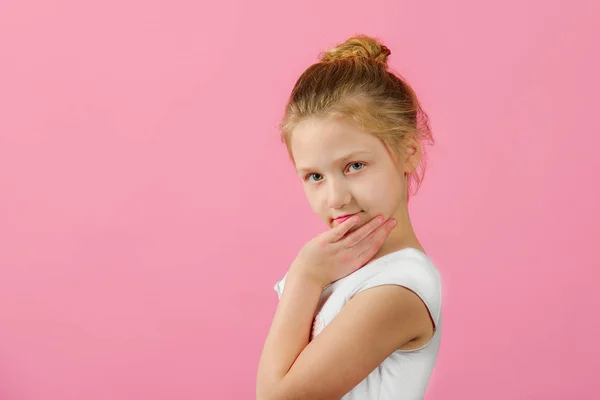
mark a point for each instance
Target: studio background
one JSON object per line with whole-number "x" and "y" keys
{"x": 147, "y": 207}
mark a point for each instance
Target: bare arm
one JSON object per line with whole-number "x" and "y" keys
{"x": 370, "y": 327}
{"x": 289, "y": 334}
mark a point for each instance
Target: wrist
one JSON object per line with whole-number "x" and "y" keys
{"x": 299, "y": 273}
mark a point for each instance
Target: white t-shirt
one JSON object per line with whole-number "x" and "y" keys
{"x": 405, "y": 373}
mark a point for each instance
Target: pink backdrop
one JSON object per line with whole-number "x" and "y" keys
{"x": 147, "y": 207}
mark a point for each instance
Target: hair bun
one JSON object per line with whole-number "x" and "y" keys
{"x": 358, "y": 46}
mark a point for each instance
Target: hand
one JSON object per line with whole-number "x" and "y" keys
{"x": 335, "y": 254}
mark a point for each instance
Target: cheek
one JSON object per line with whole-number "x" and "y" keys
{"x": 314, "y": 201}
{"x": 383, "y": 195}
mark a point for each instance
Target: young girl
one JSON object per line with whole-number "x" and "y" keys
{"x": 360, "y": 315}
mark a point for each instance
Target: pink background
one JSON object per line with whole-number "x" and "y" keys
{"x": 147, "y": 207}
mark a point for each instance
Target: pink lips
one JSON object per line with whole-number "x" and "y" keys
{"x": 345, "y": 217}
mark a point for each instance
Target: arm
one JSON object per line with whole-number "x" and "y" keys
{"x": 289, "y": 333}
{"x": 371, "y": 326}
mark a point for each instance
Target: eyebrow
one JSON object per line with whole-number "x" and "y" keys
{"x": 344, "y": 158}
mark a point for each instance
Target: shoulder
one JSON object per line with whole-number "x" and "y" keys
{"x": 409, "y": 269}
{"x": 370, "y": 327}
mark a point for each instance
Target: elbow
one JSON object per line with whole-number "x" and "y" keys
{"x": 274, "y": 394}
{"x": 271, "y": 393}
{"x": 265, "y": 392}
{"x": 281, "y": 390}
{"x": 271, "y": 389}
{"x": 266, "y": 395}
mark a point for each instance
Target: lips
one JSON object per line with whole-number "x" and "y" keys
{"x": 343, "y": 217}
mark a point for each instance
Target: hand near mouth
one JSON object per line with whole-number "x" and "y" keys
{"x": 337, "y": 253}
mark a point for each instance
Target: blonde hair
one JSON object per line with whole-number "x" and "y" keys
{"x": 353, "y": 81}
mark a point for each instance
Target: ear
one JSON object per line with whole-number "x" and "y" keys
{"x": 412, "y": 155}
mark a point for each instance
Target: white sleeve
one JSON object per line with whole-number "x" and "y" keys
{"x": 279, "y": 286}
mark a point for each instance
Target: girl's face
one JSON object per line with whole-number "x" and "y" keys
{"x": 346, "y": 171}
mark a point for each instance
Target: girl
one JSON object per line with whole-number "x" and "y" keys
{"x": 360, "y": 316}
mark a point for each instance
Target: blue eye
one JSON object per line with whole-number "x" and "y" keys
{"x": 307, "y": 177}
{"x": 358, "y": 163}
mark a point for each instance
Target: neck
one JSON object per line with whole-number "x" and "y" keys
{"x": 402, "y": 237}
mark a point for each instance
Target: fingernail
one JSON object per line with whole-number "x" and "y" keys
{"x": 394, "y": 222}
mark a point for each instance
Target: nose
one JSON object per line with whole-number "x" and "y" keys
{"x": 338, "y": 194}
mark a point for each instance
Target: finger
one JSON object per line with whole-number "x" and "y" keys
{"x": 379, "y": 235}
{"x": 339, "y": 231}
{"x": 373, "y": 243}
{"x": 357, "y": 236}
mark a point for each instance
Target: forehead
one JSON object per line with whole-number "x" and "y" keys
{"x": 316, "y": 142}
